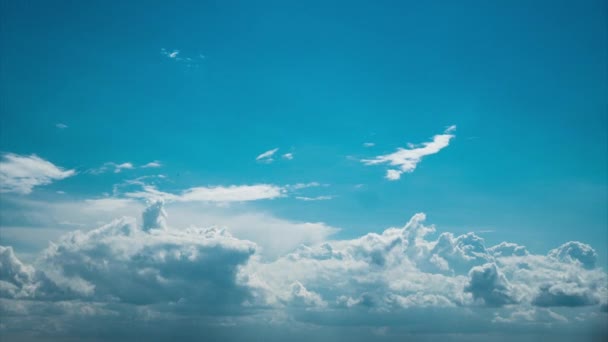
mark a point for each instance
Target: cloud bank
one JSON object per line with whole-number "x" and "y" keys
{"x": 382, "y": 286}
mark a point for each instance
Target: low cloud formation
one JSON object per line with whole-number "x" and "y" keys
{"x": 20, "y": 174}
{"x": 406, "y": 159}
{"x": 400, "y": 281}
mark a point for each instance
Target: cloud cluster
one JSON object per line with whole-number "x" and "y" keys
{"x": 20, "y": 174}
{"x": 119, "y": 167}
{"x": 387, "y": 281}
{"x": 406, "y": 159}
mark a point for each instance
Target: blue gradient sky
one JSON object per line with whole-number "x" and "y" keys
{"x": 525, "y": 83}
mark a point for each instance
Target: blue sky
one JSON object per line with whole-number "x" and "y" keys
{"x": 200, "y": 89}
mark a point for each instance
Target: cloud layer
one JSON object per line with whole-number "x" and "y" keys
{"x": 388, "y": 282}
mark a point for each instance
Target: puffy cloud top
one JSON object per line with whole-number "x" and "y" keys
{"x": 575, "y": 251}
{"x": 154, "y": 272}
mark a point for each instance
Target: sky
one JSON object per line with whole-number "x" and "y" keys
{"x": 333, "y": 170}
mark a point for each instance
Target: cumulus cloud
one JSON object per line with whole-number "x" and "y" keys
{"x": 406, "y": 159}
{"x": 487, "y": 283}
{"x": 575, "y": 251}
{"x": 20, "y": 174}
{"x": 401, "y": 278}
{"x": 266, "y": 157}
{"x": 196, "y": 269}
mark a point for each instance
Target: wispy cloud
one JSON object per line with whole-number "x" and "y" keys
{"x": 266, "y": 157}
{"x": 299, "y": 186}
{"x": 117, "y": 168}
{"x": 20, "y": 174}
{"x": 61, "y": 125}
{"x": 112, "y": 167}
{"x": 406, "y": 159}
{"x": 317, "y": 198}
{"x": 178, "y": 56}
{"x": 233, "y": 193}
{"x": 170, "y": 54}
{"x": 369, "y": 144}
{"x": 155, "y": 163}
{"x": 288, "y": 156}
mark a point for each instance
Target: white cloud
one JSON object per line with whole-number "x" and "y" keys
{"x": 369, "y": 144}
{"x": 173, "y": 54}
{"x": 112, "y": 167}
{"x": 20, "y": 174}
{"x": 61, "y": 125}
{"x": 233, "y": 193}
{"x": 408, "y": 158}
{"x": 266, "y": 157}
{"x": 316, "y": 198}
{"x": 155, "y": 163}
{"x": 401, "y": 279}
{"x": 288, "y": 156}
{"x": 179, "y": 57}
{"x": 299, "y": 186}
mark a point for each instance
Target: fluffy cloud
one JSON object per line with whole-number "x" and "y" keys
{"x": 577, "y": 252}
{"x": 406, "y": 159}
{"x": 189, "y": 270}
{"x": 20, "y": 174}
{"x": 401, "y": 279}
{"x": 490, "y": 285}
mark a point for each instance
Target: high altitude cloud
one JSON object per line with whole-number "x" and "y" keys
{"x": 233, "y": 193}
{"x": 266, "y": 157}
{"x": 113, "y": 167}
{"x": 406, "y": 159}
{"x": 155, "y": 163}
{"x": 152, "y": 274}
{"x": 20, "y": 174}
{"x": 178, "y": 56}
